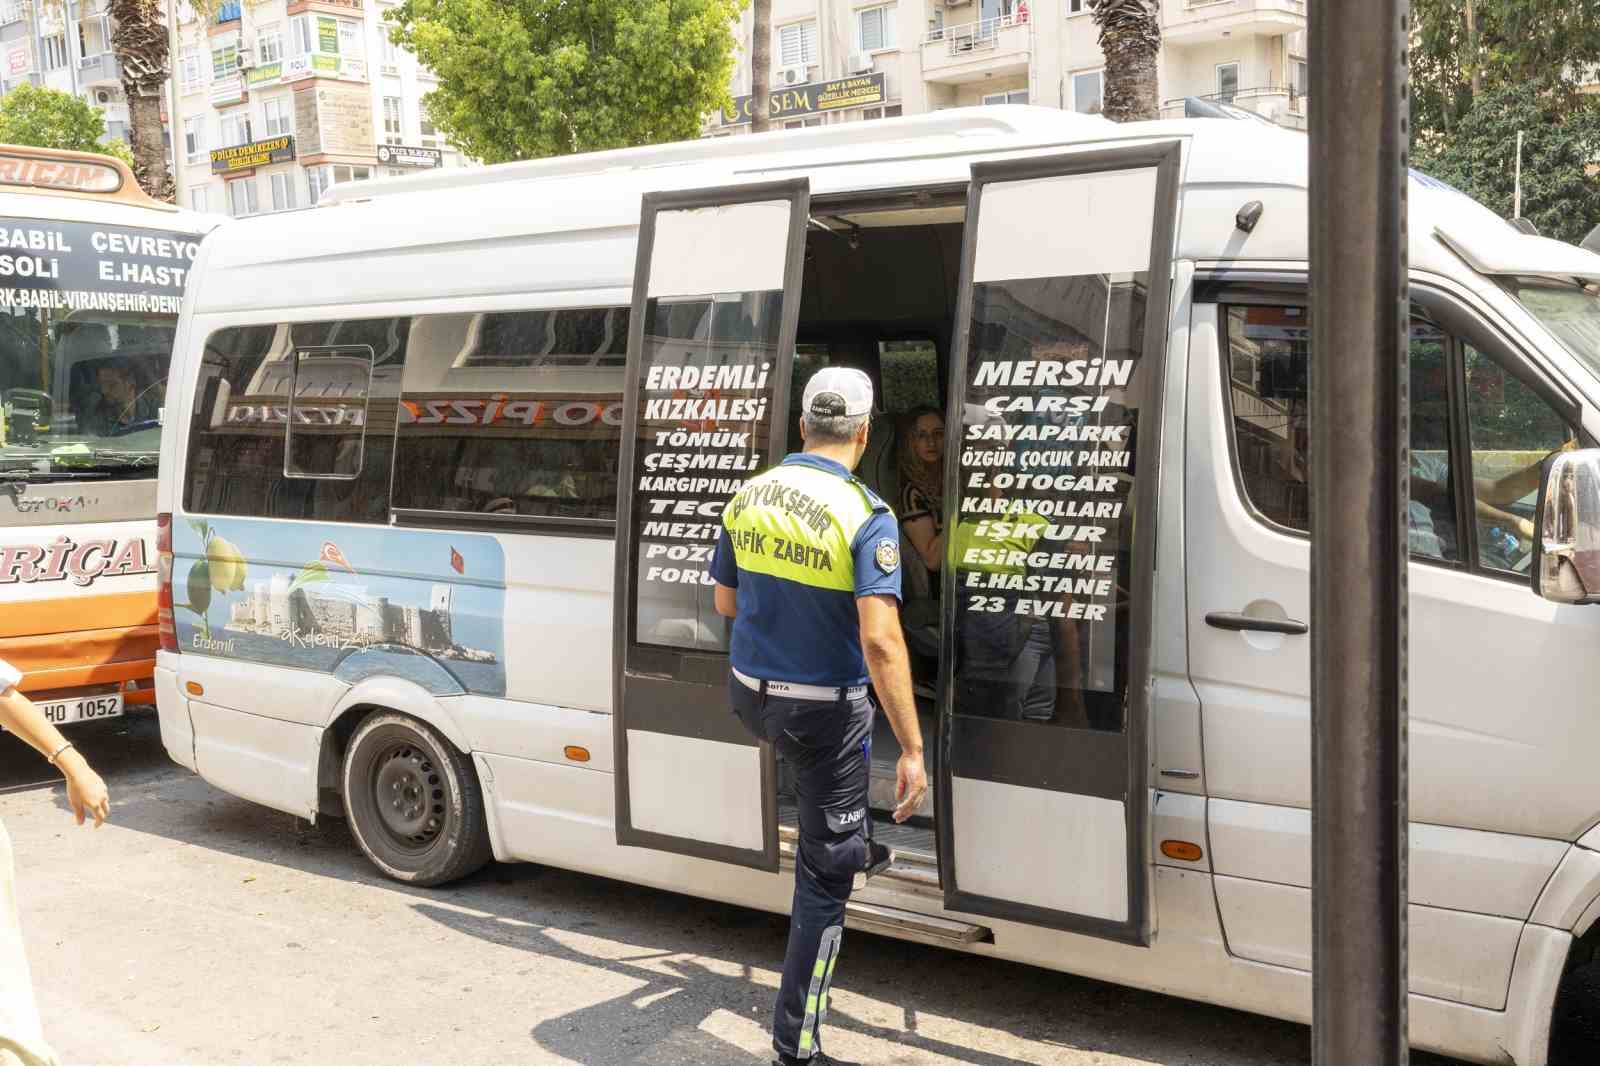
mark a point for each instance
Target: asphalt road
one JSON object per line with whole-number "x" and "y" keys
{"x": 197, "y": 928}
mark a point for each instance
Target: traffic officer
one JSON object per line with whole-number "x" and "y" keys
{"x": 808, "y": 566}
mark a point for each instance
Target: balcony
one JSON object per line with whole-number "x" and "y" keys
{"x": 1275, "y": 104}
{"x": 229, "y": 11}
{"x": 973, "y": 51}
{"x": 1206, "y": 21}
{"x": 99, "y": 69}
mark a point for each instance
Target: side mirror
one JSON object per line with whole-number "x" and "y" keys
{"x": 1566, "y": 539}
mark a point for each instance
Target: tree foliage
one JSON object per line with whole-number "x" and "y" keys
{"x": 526, "y": 78}
{"x": 1554, "y": 43}
{"x": 46, "y": 118}
{"x": 1561, "y": 135}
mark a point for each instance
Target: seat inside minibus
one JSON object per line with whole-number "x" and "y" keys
{"x": 879, "y": 293}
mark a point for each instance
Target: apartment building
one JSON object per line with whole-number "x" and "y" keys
{"x": 854, "y": 60}
{"x": 279, "y": 100}
{"x": 64, "y": 46}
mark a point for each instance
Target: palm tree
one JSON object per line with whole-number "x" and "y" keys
{"x": 139, "y": 39}
{"x": 760, "y": 65}
{"x": 1130, "y": 37}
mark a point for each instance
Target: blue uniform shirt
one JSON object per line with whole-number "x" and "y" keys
{"x": 797, "y": 603}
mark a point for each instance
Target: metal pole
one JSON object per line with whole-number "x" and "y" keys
{"x": 1516, "y": 207}
{"x": 1359, "y": 494}
{"x": 174, "y": 118}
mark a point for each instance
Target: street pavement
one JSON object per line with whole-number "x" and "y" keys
{"x": 197, "y": 928}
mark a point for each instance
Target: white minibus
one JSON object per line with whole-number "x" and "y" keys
{"x": 448, "y": 454}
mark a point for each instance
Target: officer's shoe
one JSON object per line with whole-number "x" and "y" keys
{"x": 819, "y": 1059}
{"x": 879, "y": 858}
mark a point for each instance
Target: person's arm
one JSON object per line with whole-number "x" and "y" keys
{"x": 889, "y": 665}
{"x": 725, "y": 572}
{"x": 929, "y": 544}
{"x": 85, "y": 791}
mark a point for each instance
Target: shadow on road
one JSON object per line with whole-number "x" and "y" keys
{"x": 702, "y": 957}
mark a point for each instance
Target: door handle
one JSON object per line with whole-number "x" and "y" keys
{"x": 1242, "y": 623}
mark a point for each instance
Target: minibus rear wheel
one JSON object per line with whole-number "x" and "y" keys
{"x": 413, "y": 801}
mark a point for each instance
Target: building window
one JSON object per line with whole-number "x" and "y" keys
{"x": 242, "y": 198}
{"x": 269, "y": 45}
{"x": 224, "y": 61}
{"x": 10, "y": 11}
{"x": 235, "y": 128}
{"x": 194, "y": 138}
{"x": 797, "y": 45}
{"x": 875, "y": 29}
{"x": 1088, "y": 92}
{"x": 389, "y": 51}
{"x": 1076, "y": 7}
{"x": 491, "y": 422}
{"x": 321, "y": 179}
{"x": 1299, "y": 76}
{"x": 430, "y": 135}
{"x": 303, "y": 34}
{"x": 1015, "y": 96}
{"x": 198, "y": 199}
{"x": 278, "y": 119}
{"x": 192, "y": 70}
{"x": 283, "y": 198}
{"x": 351, "y": 43}
{"x": 55, "y": 52}
{"x": 393, "y": 120}
{"x": 886, "y": 111}
{"x": 1227, "y": 81}
{"x": 802, "y": 123}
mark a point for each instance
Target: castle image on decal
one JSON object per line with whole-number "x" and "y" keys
{"x": 345, "y": 616}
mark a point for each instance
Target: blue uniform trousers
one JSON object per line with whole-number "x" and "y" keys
{"x": 830, "y": 747}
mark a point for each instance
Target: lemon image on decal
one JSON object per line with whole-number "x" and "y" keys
{"x": 227, "y": 565}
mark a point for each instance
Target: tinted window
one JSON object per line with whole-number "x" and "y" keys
{"x": 1268, "y": 357}
{"x": 513, "y": 413}
{"x": 328, "y": 411}
{"x": 239, "y": 431}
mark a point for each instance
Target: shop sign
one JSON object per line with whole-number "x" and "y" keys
{"x": 328, "y": 35}
{"x": 817, "y": 98}
{"x": 19, "y": 60}
{"x": 334, "y": 118}
{"x": 255, "y": 154}
{"x": 267, "y": 72}
{"x": 229, "y": 90}
{"x": 405, "y": 155}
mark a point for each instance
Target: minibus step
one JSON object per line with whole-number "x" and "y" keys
{"x": 909, "y": 925}
{"x": 913, "y": 868}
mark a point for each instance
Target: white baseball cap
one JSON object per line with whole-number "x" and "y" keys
{"x": 836, "y": 391}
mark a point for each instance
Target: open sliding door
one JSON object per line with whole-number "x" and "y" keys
{"x": 1045, "y": 675}
{"x": 715, "y": 301}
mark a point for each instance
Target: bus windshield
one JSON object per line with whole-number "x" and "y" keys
{"x": 1567, "y": 309}
{"x": 88, "y": 314}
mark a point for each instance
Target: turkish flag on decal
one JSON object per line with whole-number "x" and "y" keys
{"x": 458, "y": 564}
{"x": 331, "y": 554}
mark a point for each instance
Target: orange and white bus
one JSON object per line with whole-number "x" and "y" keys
{"x": 92, "y": 273}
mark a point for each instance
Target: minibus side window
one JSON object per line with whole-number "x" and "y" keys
{"x": 1268, "y": 372}
{"x": 327, "y": 424}
{"x": 515, "y": 413}
{"x": 238, "y": 436}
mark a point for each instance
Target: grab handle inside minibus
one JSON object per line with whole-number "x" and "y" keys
{"x": 1242, "y": 623}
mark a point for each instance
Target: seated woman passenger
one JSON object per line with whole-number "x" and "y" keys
{"x": 921, "y": 504}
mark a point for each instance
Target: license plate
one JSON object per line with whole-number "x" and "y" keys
{"x": 62, "y": 712}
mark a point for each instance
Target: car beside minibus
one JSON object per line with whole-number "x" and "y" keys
{"x": 447, "y": 456}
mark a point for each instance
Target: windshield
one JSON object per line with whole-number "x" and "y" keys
{"x": 1567, "y": 309}
{"x": 87, "y": 319}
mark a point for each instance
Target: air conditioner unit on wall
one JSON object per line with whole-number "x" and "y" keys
{"x": 860, "y": 63}
{"x": 790, "y": 75}
{"x": 102, "y": 96}
{"x": 246, "y": 58}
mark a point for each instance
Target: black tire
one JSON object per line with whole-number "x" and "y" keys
{"x": 430, "y": 827}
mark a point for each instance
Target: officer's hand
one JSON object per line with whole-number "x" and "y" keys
{"x": 910, "y": 785}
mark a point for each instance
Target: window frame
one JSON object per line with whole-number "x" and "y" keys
{"x": 1461, "y": 324}
{"x": 299, "y": 350}
{"x": 1238, "y": 80}
{"x": 269, "y": 44}
{"x": 814, "y": 38}
{"x": 194, "y": 128}
{"x": 1073, "y": 76}
{"x": 886, "y": 28}
{"x": 284, "y": 124}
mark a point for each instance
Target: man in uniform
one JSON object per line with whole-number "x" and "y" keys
{"x": 808, "y": 566}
